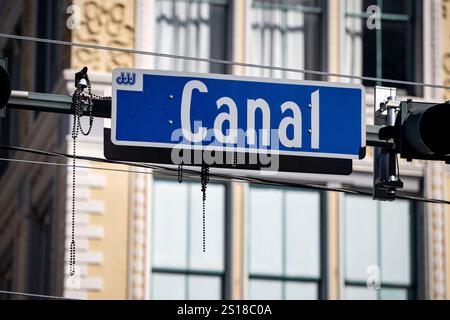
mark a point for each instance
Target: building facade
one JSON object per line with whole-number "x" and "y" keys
{"x": 139, "y": 232}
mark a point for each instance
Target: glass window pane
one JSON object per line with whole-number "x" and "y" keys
{"x": 168, "y": 286}
{"x": 394, "y": 294}
{"x": 359, "y": 293}
{"x": 289, "y": 3}
{"x": 190, "y": 28}
{"x": 265, "y": 290}
{"x": 301, "y": 290}
{"x": 397, "y": 6}
{"x": 362, "y": 45}
{"x": 169, "y": 224}
{"x": 213, "y": 258}
{"x": 302, "y": 233}
{"x": 396, "y": 242}
{"x": 354, "y": 6}
{"x": 265, "y": 220}
{"x": 360, "y": 236}
{"x": 399, "y": 64}
{"x": 204, "y": 287}
{"x": 284, "y": 35}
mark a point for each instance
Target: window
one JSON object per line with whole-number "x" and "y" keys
{"x": 40, "y": 247}
{"x": 196, "y": 28}
{"x": 288, "y": 34}
{"x": 284, "y": 244}
{"x": 6, "y": 272}
{"x": 391, "y": 52}
{"x": 378, "y": 234}
{"x": 180, "y": 268}
{"x": 47, "y": 56}
{"x": 13, "y": 52}
{"x": 9, "y": 135}
{"x": 10, "y": 125}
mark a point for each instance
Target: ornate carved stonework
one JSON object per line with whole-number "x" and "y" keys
{"x": 437, "y": 224}
{"x": 446, "y": 45}
{"x": 107, "y": 23}
{"x": 138, "y": 247}
{"x": 436, "y": 174}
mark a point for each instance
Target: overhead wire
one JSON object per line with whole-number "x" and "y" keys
{"x": 217, "y": 61}
{"x": 193, "y": 174}
{"x": 225, "y": 62}
{"x": 34, "y": 295}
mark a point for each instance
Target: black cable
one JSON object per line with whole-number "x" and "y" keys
{"x": 195, "y": 174}
{"x": 33, "y": 295}
{"x": 215, "y": 61}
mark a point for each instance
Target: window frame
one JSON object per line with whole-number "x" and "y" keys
{"x": 323, "y": 280}
{"x": 47, "y": 56}
{"x": 417, "y": 17}
{"x": 322, "y": 11}
{"x": 6, "y": 270}
{"x": 224, "y": 275}
{"x": 42, "y": 228}
{"x": 152, "y": 25}
{"x": 415, "y": 290}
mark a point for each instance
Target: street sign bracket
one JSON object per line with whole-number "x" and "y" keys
{"x": 386, "y": 178}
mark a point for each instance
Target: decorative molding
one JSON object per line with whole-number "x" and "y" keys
{"x": 435, "y": 172}
{"x": 108, "y": 23}
{"x": 432, "y": 35}
{"x": 144, "y": 33}
{"x": 82, "y": 283}
{"x": 437, "y": 228}
{"x": 137, "y": 230}
{"x": 446, "y": 46}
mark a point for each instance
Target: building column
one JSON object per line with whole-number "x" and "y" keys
{"x": 333, "y": 270}
{"x": 145, "y": 32}
{"x": 437, "y": 250}
{"x": 437, "y": 24}
{"x": 235, "y": 288}
{"x": 334, "y": 24}
{"x": 446, "y": 81}
{"x": 236, "y": 243}
{"x": 239, "y": 34}
{"x": 138, "y": 235}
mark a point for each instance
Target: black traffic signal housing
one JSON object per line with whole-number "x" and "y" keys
{"x": 422, "y": 131}
{"x": 5, "y": 83}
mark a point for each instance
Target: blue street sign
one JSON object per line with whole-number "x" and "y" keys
{"x": 239, "y": 114}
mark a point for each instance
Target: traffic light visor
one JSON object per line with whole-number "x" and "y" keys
{"x": 434, "y": 127}
{"x": 5, "y": 87}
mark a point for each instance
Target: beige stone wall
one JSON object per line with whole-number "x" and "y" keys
{"x": 138, "y": 235}
{"x": 112, "y": 271}
{"x": 104, "y": 258}
{"x": 106, "y": 23}
{"x": 446, "y": 82}
{"x": 446, "y": 45}
{"x": 447, "y": 236}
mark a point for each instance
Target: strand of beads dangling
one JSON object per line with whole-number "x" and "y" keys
{"x": 204, "y": 179}
{"x": 180, "y": 173}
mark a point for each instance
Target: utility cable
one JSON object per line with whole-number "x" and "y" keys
{"x": 216, "y": 176}
{"x": 217, "y": 61}
{"x": 33, "y": 295}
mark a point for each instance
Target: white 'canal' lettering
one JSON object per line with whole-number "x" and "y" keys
{"x": 253, "y": 105}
